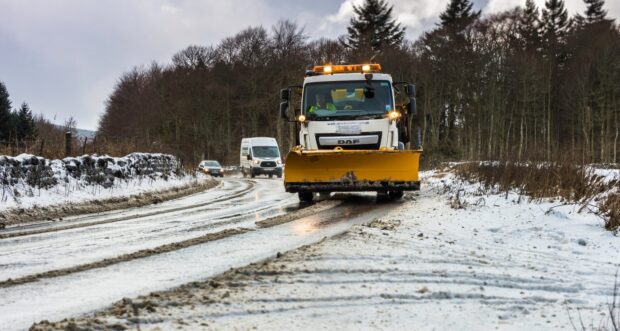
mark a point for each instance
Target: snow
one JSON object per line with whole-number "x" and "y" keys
{"x": 499, "y": 263}
{"x": 26, "y": 255}
{"x": 83, "y": 292}
{"x": 453, "y": 256}
{"x": 86, "y": 178}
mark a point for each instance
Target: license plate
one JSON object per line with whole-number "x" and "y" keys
{"x": 352, "y": 128}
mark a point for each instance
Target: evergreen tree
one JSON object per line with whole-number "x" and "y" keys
{"x": 554, "y": 23}
{"x": 373, "y": 29}
{"x": 594, "y": 11}
{"x": 5, "y": 113}
{"x": 24, "y": 123}
{"x": 459, "y": 13}
{"x": 529, "y": 26}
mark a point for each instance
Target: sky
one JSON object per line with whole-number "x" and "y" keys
{"x": 63, "y": 57}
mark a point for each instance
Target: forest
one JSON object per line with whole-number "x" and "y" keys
{"x": 525, "y": 84}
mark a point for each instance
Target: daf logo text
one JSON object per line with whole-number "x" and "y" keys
{"x": 348, "y": 141}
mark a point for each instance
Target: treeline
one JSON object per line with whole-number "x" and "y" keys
{"x": 528, "y": 83}
{"x": 15, "y": 125}
{"x": 23, "y": 132}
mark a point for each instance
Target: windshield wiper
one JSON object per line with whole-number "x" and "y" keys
{"x": 368, "y": 117}
{"x": 346, "y": 117}
{"x": 361, "y": 117}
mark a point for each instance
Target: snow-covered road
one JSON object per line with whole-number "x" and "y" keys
{"x": 69, "y": 267}
{"x": 500, "y": 262}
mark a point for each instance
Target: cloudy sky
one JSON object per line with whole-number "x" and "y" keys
{"x": 63, "y": 57}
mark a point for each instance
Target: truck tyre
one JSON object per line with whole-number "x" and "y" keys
{"x": 395, "y": 195}
{"x": 324, "y": 195}
{"x": 383, "y": 196}
{"x": 305, "y": 196}
{"x": 270, "y": 175}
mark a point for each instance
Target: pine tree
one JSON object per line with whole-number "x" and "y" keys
{"x": 555, "y": 26}
{"x": 24, "y": 123}
{"x": 5, "y": 113}
{"x": 529, "y": 26}
{"x": 459, "y": 13}
{"x": 554, "y": 23}
{"x": 373, "y": 29}
{"x": 594, "y": 11}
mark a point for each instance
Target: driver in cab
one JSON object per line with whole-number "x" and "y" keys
{"x": 322, "y": 103}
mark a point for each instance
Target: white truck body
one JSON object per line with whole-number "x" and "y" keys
{"x": 374, "y": 133}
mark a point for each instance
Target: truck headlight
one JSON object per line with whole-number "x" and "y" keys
{"x": 394, "y": 115}
{"x": 279, "y": 161}
{"x": 256, "y": 161}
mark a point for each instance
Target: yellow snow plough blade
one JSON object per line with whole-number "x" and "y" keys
{"x": 351, "y": 170}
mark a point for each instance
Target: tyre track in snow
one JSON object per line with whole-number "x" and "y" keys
{"x": 270, "y": 222}
{"x": 26, "y": 256}
{"x": 425, "y": 266}
{"x": 57, "y": 296}
{"x": 83, "y": 221}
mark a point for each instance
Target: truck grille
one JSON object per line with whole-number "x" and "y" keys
{"x": 268, "y": 164}
{"x": 358, "y": 147}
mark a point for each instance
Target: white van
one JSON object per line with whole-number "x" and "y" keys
{"x": 260, "y": 156}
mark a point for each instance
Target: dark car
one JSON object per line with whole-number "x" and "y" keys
{"x": 212, "y": 168}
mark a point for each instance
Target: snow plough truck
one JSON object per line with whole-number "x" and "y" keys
{"x": 351, "y": 134}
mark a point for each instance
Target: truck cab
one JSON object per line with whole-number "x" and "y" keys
{"x": 350, "y": 108}
{"x": 354, "y": 114}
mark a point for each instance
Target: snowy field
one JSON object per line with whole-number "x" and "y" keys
{"x": 499, "y": 263}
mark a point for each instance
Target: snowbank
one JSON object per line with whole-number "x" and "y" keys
{"x": 29, "y": 181}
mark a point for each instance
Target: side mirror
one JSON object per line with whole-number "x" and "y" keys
{"x": 410, "y": 90}
{"x": 285, "y": 94}
{"x": 249, "y": 157}
{"x": 412, "y": 107}
{"x": 284, "y": 110}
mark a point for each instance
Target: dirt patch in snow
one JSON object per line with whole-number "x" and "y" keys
{"x": 381, "y": 224}
{"x": 21, "y": 215}
{"x": 126, "y": 257}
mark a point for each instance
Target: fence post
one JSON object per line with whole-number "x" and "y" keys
{"x": 84, "y": 145}
{"x": 68, "y": 151}
{"x": 41, "y": 148}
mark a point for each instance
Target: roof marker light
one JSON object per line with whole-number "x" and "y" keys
{"x": 347, "y": 68}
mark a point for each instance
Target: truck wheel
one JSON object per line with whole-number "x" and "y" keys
{"x": 253, "y": 174}
{"x": 270, "y": 175}
{"x": 395, "y": 195}
{"x": 305, "y": 196}
{"x": 280, "y": 175}
{"x": 324, "y": 195}
{"x": 382, "y": 196}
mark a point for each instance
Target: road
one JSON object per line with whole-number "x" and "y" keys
{"x": 50, "y": 270}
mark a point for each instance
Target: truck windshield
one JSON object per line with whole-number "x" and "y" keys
{"x": 265, "y": 151}
{"x": 353, "y": 99}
